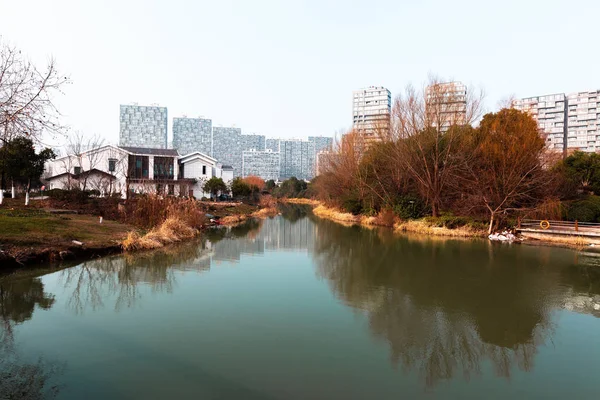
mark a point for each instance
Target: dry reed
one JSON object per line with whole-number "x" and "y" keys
{"x": 170, "y": 231}
{"x": 301, "y": 201}
{"x": 422, "y": 227}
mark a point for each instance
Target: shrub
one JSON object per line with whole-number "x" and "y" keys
{"x": 239, "y": 188}
{"x": 75, "y": 195}
{"x": 410, "y": 207}
{"x": 586, "y": 210}
{"x": 449, "y": 221}
{"x": 386, "y": 217}
{"x": 352, "y": 206}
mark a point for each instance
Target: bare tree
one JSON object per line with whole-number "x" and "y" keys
{"x": 427, "y": 130}
{"x": 26, "y": 96}
{"x": 81, "y": 150}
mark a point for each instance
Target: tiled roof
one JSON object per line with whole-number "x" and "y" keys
{"x": 151, "y": 152}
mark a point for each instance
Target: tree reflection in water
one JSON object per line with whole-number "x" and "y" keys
{"x": 443, "y": 307}
{"x": 19, "y": 378}
{"x": 92, "y": 283}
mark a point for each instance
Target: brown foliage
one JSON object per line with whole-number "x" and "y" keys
{"x": 506, "y": 170}
{"x": 151, "y": 210}
{"x": 255, "y": 181}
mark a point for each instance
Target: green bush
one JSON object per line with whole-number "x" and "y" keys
{"x": 410, "y": 207}
{"x": 450, "y": 221}
{"x": 352, "y": 206}
{"x": 75, "y": 195}
{"x": 369, "y": 212}
{"x": 586, "y": 210}
{"x": 239, "y": 188}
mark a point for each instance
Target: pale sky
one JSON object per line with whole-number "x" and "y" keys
{"x": 288, "y": 68}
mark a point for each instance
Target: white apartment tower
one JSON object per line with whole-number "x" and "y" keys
{"x": 583, "y": 118}
{"x": 550, "y": 113}
{"x": 371, "y": 110}
{"x": 568, "y": 121}
{"x": 446, "y": 104}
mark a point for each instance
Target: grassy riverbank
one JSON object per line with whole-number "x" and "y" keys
{"x": 48, "y": 231}
{"x": 35, "y": 235}
{"x": 455, "y": 227}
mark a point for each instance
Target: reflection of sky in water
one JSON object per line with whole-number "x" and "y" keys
{"x": 355, "y": 313}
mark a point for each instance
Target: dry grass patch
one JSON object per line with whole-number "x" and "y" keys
{"x": 422, "y": 227}
{"x": 265, "y": 212}
{"x": 233, "y": 219}
{"x": 336, "y": 215}
{"x": 170, "y": 231}
{"x": 301, "y": 201}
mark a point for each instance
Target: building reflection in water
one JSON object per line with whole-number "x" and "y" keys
{"x": 443, "y": 308}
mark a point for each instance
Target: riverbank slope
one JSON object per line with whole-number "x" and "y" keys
{"x": 44, "y": 232}
{"x": 389, "y": 220}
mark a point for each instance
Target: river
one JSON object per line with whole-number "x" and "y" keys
{"x": 299, "y": 308}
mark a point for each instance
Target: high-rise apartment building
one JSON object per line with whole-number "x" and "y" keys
{"x": 143, "y": 126}
{"x": 297, "y": 158}
{"x": 568, "y": 122}
{"x": 253, "y": 142}
{"x": 227, "y": 147}
{"x": 550, "y": 113}
{"x": 272, "y": 144}
{"x": 264, "y": 164}
{"x": 371, "y": 110}
{"x": 446, "y": 104}
{"x": 583, "y": 119}
{"x": 192, "y": 134}
{"x": 322, "y": 143}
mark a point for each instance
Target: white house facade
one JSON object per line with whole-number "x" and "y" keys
{"x": 135, "y": 170}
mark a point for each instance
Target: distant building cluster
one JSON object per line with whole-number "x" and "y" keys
{"x": 568, "y": 121}
{"x": 246, "y": 154}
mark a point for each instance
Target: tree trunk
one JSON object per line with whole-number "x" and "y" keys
{"x": 1, "y": 195}
{"x": 27, "y": 192}
{"x": 492, "y": 221}
{"x": 435, "y": 212}
{"x": 12, "y": 188}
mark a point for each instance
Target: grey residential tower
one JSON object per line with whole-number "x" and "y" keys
{"x": 143, "y": 126}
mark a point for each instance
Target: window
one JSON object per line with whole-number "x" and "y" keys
{"x": 204, "y": 170}
{"x": 77, "y": 170}
{"x": 163, "y": 167}
{"x": 112, "y": 165}
{"x": 138, "y": 167}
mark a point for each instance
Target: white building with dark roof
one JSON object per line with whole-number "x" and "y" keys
{"x": 134, "y": 170}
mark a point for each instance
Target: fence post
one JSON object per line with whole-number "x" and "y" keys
{"x": 576, "y": 226}
{"x": 518, "y": 222}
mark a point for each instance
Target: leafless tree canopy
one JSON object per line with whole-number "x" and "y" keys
{"x": 26, "y": 96}
{"x": 427, "y": 127}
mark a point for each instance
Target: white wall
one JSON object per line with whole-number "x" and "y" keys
{"x": 98, "y": 159}
{"x": 193, "y": 170}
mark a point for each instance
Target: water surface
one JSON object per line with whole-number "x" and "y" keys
{"x": 297, "y": 308}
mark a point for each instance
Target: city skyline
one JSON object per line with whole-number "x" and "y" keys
{"x": 264, "y": 73}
